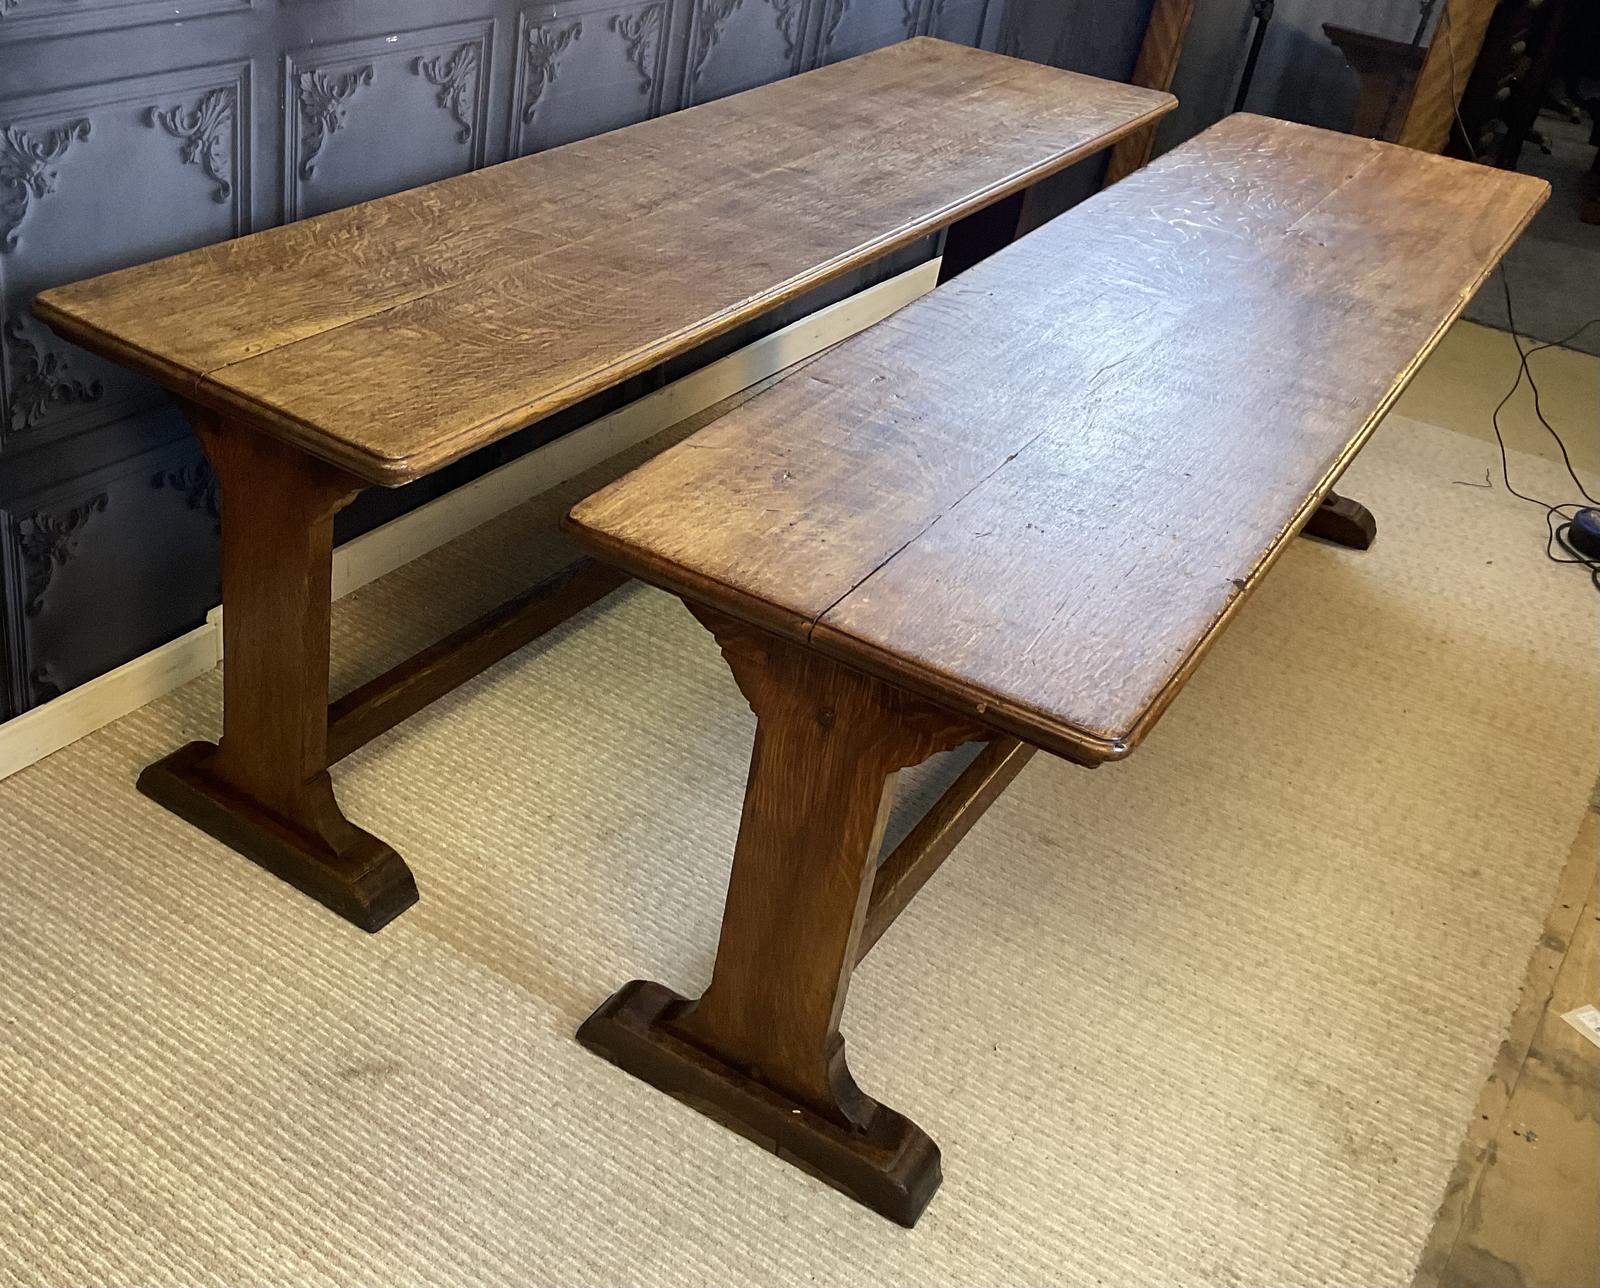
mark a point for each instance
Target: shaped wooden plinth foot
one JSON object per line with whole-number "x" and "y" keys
{"x": 264, "y": 789}
{"x": 322, "y": 853}
{"x": 761, "y": 1049}
{"x": 1342, "y": 521}
{"x": 888, "y": 1164}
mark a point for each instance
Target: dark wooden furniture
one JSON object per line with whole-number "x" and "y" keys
{"x": 1155, "y": 68}
{"x": 1017, "y": 512}
{"x": 1388, "y": 72}
{"x": 376, "y": 344}
{"x": 1452, "y": 53}
{"x": 1518, "y": 61}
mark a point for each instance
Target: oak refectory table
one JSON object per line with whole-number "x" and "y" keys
{"x": 1018, "y": 512}
{"x": 374, "y": 345}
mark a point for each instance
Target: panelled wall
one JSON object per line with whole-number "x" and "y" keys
{"x": 126, "y": 135}
{"x": 132, "y": 129}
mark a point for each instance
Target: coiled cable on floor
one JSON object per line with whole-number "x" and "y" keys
{"x": 1558, "y": 517}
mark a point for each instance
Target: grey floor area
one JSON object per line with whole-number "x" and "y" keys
{"x": 1554, "y": 270}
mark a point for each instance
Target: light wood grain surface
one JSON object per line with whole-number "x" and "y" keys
{"x": 395, "y": 336}
{"x": 1037, "y": 493}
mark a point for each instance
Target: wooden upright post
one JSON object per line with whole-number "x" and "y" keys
{"x": 1453, "y": 53}
{"x": 1157, "y": 65}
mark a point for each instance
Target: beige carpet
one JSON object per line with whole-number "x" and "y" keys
{"x": 1215, "y": 1015}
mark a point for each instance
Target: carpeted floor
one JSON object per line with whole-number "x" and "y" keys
{"x": 1215, "y": 1015}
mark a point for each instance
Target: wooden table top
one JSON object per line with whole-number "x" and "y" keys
{"x": 1039, "y": 492}
{"x": 395, "y": 336}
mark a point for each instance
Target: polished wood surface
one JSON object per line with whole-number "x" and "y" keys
{"x": 395, "y": 336}
{"x": 1037, "y": 494}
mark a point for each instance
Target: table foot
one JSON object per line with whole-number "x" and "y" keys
{"x": 761, "y": 1049}
{"x": 888, "y": 1164}
{"x": 344, "y": 868}
{"x": 1342, "y": 521}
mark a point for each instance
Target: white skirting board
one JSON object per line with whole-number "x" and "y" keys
{"x": 34, "y": 734}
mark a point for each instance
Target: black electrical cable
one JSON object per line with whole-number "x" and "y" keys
{"x": 1538, "y": 406}
{"x": 1558, "y": 523}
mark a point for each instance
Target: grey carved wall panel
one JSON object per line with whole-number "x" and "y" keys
{"x": 1099, "y": 40}
{"x": 588, "y": 67}
{"x": 737, "y": 44}
{"x": 84, "y": 596}
{"x": 126, "y": 136}
{"x": 32, "y": 19}
{"x": 849, "y": 29}
{"x": 126, "y": 170}
{"x": 370, "y": 116}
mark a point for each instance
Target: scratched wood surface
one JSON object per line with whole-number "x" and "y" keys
{"x": 1038, "y": 492}
{"x": 397, "y": 335}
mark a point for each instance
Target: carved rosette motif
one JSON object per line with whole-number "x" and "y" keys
{"x": 323, "y": 100}
{"x": 198, "y": 484}
{"x": 207, "y": 134}
{"x": 38, "y": 379}
{"x": 541, "y": 55}
{"x": 642, "y": 32}
{"x": 456, "y": 75}
{"x": 711, "y": 16}
{"x": 27, "y": 170}
{"x": 45, "y": 543}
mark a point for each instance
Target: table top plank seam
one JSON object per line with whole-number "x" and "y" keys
{"x": 1173, "y": 327}
{"x": 1040, "y": 726}
{"x": 1305, "y": 245}
{"x": 391, "y": 470}
{"x": 982, "y": 480}
{"x": 395, "y": 336}
{"x": 1373, "y": 156}
{"x": 476, "y": 275}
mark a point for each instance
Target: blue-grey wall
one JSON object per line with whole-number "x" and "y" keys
{"x": 1097, "y": 39}
{"x": 127, "y": 134}
{"x": 1300, "y": 76}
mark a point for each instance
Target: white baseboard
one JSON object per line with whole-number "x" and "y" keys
{"x": 35, "y": 734}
